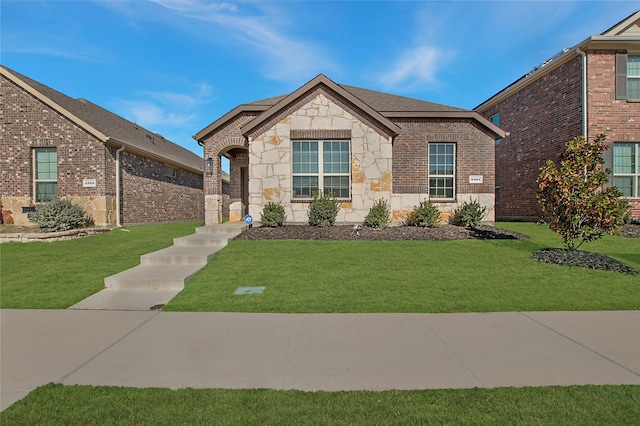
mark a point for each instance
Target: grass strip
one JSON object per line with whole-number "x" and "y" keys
{"x": 80, "y": 405}
{"x": 58, "y": 274}
{"x": 410, "y": 276}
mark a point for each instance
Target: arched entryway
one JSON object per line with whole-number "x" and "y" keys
{"x": 226, "y": 190}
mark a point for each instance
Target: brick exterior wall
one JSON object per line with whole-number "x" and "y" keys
{"x": 540, "y": 119}
{"x": 148, "y": 195}
{"x": 28, "y": 123}
{"x": 474, "y": 154}
{"x": 544, "y": 115}
{"x": 619, "y": 119}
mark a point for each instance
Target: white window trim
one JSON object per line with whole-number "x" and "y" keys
{"x": 635, "y": 176}
{"x": 455, "y": 167}
{"x": 34, "y": 167}
{"x": 632, "y": 77}
{"x": 321, "y": 174}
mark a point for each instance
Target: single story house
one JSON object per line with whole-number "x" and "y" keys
{"x": 359, "y": 145}
{"x": 590, "y": 88}
{"x": 117, "y": 171}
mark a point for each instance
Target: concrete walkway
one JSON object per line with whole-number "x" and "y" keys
{"x": 315, "y": 351}
{"x": 161, "y": 275}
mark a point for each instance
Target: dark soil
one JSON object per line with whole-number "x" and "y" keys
{"x": 630, "y": 231}
{"x": 583, "y": 259}
{"x": 394, "y": 233}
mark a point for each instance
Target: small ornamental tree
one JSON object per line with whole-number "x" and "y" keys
{"x": 575, "y": 198}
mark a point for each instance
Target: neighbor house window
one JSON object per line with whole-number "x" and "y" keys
{"x": 442, "y": 160}
{"x": 321, "y": 166}
{"x": 495, "y": 119}
{"x": 626, "y": 168}
{"x": 170, "y": 171}
{"x": 45, "y": 174}
{"x": 627, "y": 76}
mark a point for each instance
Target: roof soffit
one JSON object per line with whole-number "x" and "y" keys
{"x": 629, "y": 26}
{"x": 320, "y": 80}
{"x": 226, "y": 118}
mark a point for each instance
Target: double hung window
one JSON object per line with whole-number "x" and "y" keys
{"x": 627, "y": 76}
{"x": 45, "y": 174}
{"x": 626, "y": 168}
{"x": 442, "y": 160}
{"x": 321, "y": 166}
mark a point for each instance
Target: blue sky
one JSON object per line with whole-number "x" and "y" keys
{"x": 174, "y": 66}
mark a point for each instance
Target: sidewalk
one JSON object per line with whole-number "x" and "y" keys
{"x": 315, "y": 351}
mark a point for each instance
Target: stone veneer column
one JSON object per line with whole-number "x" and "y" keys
{"x": 212, "y": 209}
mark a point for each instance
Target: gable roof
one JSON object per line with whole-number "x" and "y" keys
{"x": 380, "y": 106}
{"x": 320, "y": 80}
{"x": 625, "y": 35}
{"x": 108, "y": 127}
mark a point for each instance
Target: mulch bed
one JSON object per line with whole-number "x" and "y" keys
{"x": 582, "y": 259}
{"x": 394, "y": 233}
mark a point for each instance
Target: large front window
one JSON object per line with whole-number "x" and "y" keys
{"x": 442, "y": 160}
{"x": 321, "y": 166}
{"x": 626, "y": 168}
{"x": 45, "y": 174}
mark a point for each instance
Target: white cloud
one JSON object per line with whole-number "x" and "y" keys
{"x": 278, "y": 55}
{"x": 169, "y": 111}
{"x": 149, "y": 115}
{"x": 415, "y": 66}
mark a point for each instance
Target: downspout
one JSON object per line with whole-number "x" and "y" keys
{"x": 118, "y": 185}
{"x": 584, "y": 91}
{"x": 584, "y": 99}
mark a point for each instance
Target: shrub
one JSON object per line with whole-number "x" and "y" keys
{"x": 273, "y": 215}
{"x": 323, "y": 210}
{"x": 575, "y": 195}
{"x": 426, "y": 215}
{"x": 58, "y": 215}
{"x": 470, "y": 214}
{"x": 379, "y": 214}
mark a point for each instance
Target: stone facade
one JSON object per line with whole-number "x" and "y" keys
{"x": 384, "y": 164}
{"x": 148, "y": 195}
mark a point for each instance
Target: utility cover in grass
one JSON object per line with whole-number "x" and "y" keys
{"x": 249, "y": 290}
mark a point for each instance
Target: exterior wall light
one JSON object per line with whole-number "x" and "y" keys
{"x": 208, "y": 166}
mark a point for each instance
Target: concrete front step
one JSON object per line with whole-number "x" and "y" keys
{"x": 181, "y": 255}
{"x": 162, "y": 274}
{"x": 153, "y": 277}
{"x": 228, "y": 230}
{"x": 201, "y": 240}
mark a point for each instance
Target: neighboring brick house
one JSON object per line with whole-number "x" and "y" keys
{"x": 591, "y": 88}
{"x": 53, "y": 146}
{"x": 359, "y": 145}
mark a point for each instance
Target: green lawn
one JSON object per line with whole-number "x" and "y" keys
{"x": 411, "y": 276}
{"x": 56, "y": 275}
{"x": 322, "y": 276}
{"x": 82, "y": 405}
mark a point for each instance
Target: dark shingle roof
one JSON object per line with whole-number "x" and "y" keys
{"x": 386, "y": 102}
{"x": 380, "y": 101}
{"x": 383, "y": 107}
{"x": 115, "y": 127}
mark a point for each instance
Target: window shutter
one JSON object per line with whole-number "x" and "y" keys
{"x": 621, "y": 76}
